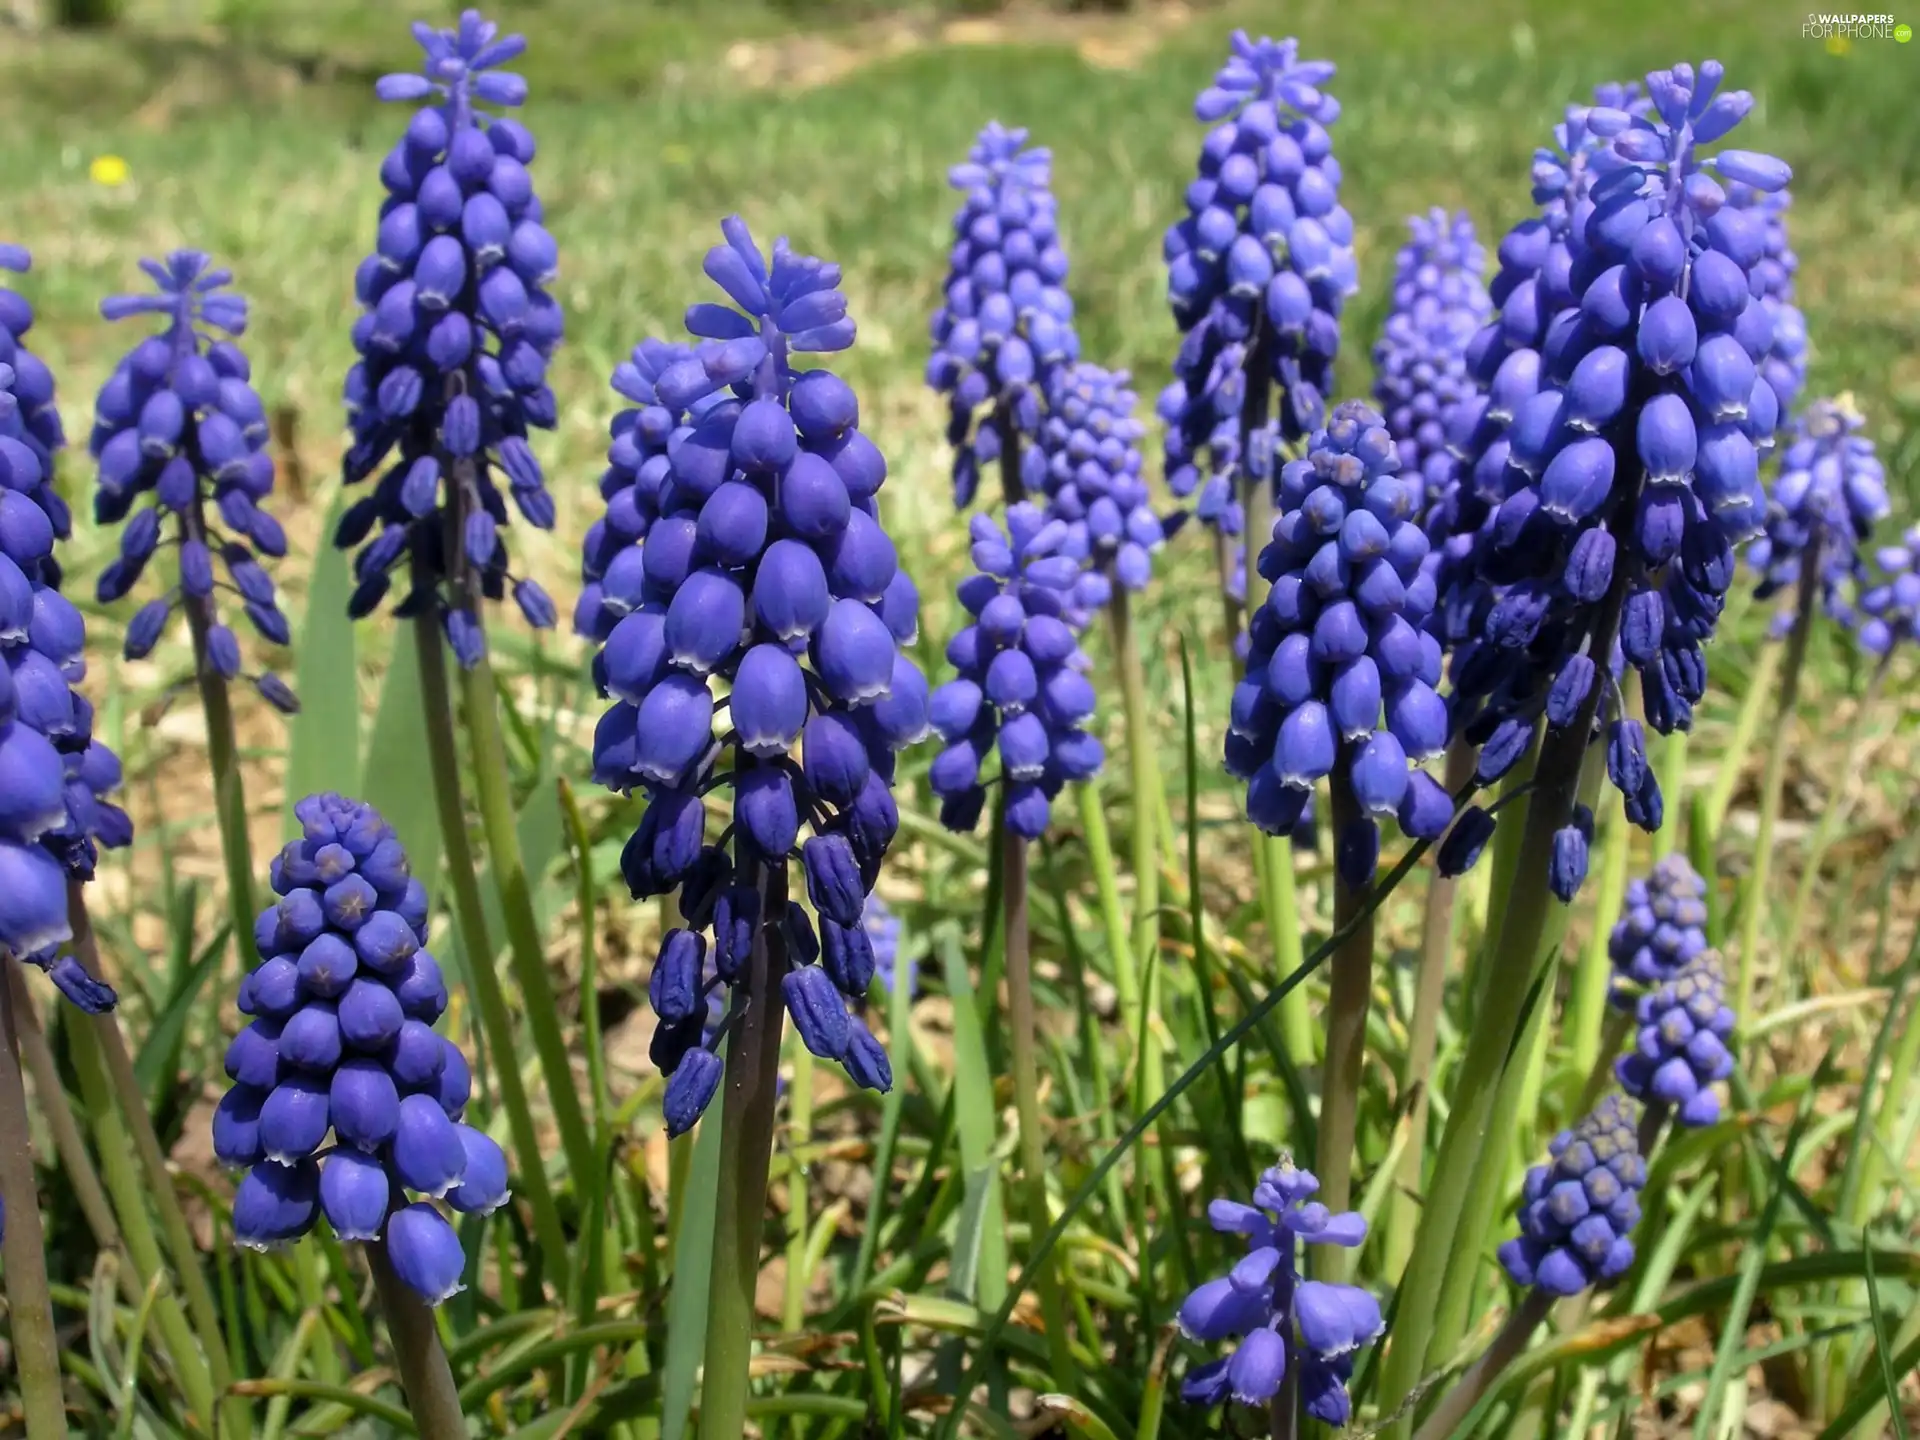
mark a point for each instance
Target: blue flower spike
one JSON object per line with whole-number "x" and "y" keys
{"x": 1828, "y": 496}
{"x": 743, "y": 548}
{"x": 1021, "y": 691}
{"x": 1683, "y": 1043}
{"x": 344, "y": 1096}
{"x": 457, "y": 327}
{"x": 1889, "y": 613}
{"x": 1661, "y": 929}
{"x": 1274, "y": 1316}
{"x": 1578, "y": 1210}
{"x": 1004, "y": 329}
{"x": 180, "y": 421}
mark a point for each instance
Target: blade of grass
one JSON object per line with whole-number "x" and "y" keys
{"x": 687, "y": 1304}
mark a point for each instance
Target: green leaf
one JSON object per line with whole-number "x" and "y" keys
{"x": 160, "y": 1051}
{"x": 980, "y": 1246}
{"x": 687, "y": 1304}
{"x": 397, "y": 774}
{"x": 323, "y": 748}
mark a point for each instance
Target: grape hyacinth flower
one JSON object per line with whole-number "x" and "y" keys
{"x": 36, "y": 422}
{"x": 179, "y": 419}
{"x": 342, "y": 1044}
{"x": 1684, "y": 1042}
{"x": 1276, "y": 1317}
{"x": 1005, "y": 326}
{"x": 1341, "y": 672}
{"x": 1662, "y": 928}
{"x": 1577, "y": 1210}
{"x": 1090, "y": 444}
{"x": 1420, "y": 360}
{"x": 54, "y": 775}
{"x": 1785, "y": 365}
{"x": 1830, "y": 492}
{"x": 611, "y": 572}
{"x": 454, "y": 339}
{"x": 1633, "y": 467}
{"x": 1022, "y": 688}
{"x": 766, "y": 568}
{"x": 1890, "y": 607}
{"x": 1257, "y": 275}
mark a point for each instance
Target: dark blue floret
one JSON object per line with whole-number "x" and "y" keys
{"x": 742, "y": 555}
{"x": 179, "y": 420}
{"x": 1005, "y": 327}
{"x": 457, "y": 329}
{"x": 342, "y": 1047}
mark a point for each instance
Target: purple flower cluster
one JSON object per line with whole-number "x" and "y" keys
{"x": 1632, "y": 467}
{"x": 1420, "y": 360}
{"x": 342, "y": 1042}
{"x": 1785, "y": 366}
{"x": 1257, "y": 275}
{"x": 1022, "y": 687}
{"x": 1683, "y": 1043}
{"x": 179, "y": 420}
{"x": 454, "y": 339}
{"x": 1830, "y": 492}
{"x": 761, "y": 564}
{"x": 1090, "y": 444}
{"x": 1006, "y": 325}
{"x": 1576, "y": 1211}
{"x": 1890, "y": 606}
{"x": 36, "y": 419}
{"x": 1277, "y": 1318}
{"x": 1662, "y": 928}
{"x": 54, "y": 776}
{"x": 1340, "y": 643}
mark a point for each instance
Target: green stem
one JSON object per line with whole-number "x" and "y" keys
{"x": 1352, "y": 995}
{"x": 1225, "y": 552}
{"x": 1673, "y": 786}
{"x": 1726, "y": 777}
{"x": 1146, "y": 855}
{"x": 418, "y": 1355}
{"x": 1754, "y": 906}
{"x": 1429, "y": 998}
{"x": 1833, "y": 814}
{"x": 1026, "y": 1096}
{"x": 746, "y": 1148}
{"x": 36, "y": 1353}
{"x": 1280, "y": 898}
{"x": 1126, "y": 978}
{"x": 1587, "y": 1002}
{"x": 1503, "y": 989}
{"x": 229, "y": 789}
{"x": 800, "y": 1136}
{"x": 1508, "y": 847}
{"x": 493, "y": 789}
{"x": 187, "y": 1274}
{"x": 470, "y": 916}
{"x": 1465, "y": 1392}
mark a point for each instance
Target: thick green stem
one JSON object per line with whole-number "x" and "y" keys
{"x": 1113, "y": 915}
{"x": 432, "y": 1398}
{"x": 1754, "y": 906}
{"x": 1026, "y": 1096}
{"x": 1673, "y": 789}
{"x": 1587, "y": 1002}
{"x": 1429, "y": 998}
{"x": 1280, "y": 899}
{"x": 493, "y": 789}
{"x": 1146, "y": 852}
{"x": 229, "y": 789}
{"x": 1480, "y": 1376}
{"x": 746, "y": 1148}
{"x": 36, "y": 1353}
{"x": 1508, "y": 846}
{"x": 1503, "y": 989}
{"x": 1352, "y": 995}
{"x": 1226, "y": 554}
{"x": 482, "y": 980}
{"x": 1833, "y": 814}
{"x": 185, "y": 1254}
